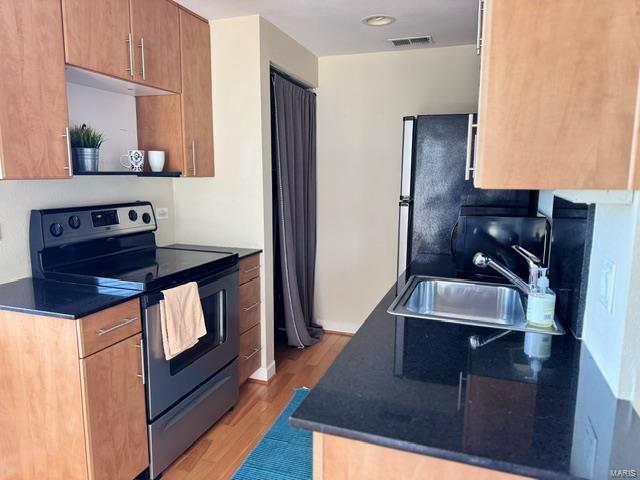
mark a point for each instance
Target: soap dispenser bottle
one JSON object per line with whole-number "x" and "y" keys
{"x": 541, "y": 302}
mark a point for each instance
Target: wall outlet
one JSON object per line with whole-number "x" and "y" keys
{"x": 162, "y": 213}
{"x": 607, "y": 284}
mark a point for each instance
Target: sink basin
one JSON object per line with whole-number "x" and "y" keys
{"x": 465, "y": 302}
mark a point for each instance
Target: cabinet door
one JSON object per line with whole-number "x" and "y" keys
{"x": 559, "y": 95}
{"x": 97, "y": 36}
{"x": 115, "y": 415}
{"x": 33, "y": 91}
{"x": 156, "y": 32}
{"x": 197, "y": 115}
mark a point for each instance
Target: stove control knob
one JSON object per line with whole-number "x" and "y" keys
{"x": 74, "y": 222}
{"x": 146, "y": 218}
{"x": 56, "y": 229}
{"x": 133, "y": 215}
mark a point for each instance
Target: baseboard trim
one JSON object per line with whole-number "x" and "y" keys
{"x": 336, "y": 332}
{"x": 264, "y": 374}
{"x": 335, "y": 327}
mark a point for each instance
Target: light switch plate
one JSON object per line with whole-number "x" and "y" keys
{"x": 162, "y": 213}
{"x": 607, "y": 284}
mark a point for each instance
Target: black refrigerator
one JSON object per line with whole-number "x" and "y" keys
{"x": 437, "y": 187}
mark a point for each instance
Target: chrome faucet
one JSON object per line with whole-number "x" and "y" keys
{"x": 482, "y": 260}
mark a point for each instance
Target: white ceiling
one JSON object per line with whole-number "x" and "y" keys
{"x": 333, "y": 27}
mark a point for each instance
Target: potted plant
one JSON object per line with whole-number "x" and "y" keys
{"x": 85, "y": 148}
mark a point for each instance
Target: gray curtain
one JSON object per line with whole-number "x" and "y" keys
{"x": 294, "y": 157}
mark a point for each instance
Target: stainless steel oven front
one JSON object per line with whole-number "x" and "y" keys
{"x": 169, "y": 381}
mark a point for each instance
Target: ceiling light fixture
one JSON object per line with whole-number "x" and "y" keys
{"x": 378, "y": 20}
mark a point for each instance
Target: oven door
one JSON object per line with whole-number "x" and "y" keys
{"x": 168, "y": 381}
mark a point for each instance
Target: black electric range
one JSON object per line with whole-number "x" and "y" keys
{"x": 115, "y": 246}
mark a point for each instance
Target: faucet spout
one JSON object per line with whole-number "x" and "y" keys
{"x": 482, "y": 260}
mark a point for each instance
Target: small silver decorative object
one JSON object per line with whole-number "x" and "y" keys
{"x": 85, "y": 159}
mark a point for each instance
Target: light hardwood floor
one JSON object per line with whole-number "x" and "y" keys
{"x": 222, "y": 449}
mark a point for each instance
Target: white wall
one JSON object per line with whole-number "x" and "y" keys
{"x": 613, "y": 337}
{"x": 234, "y": 208}
{"x": 361, "y": 102}
{"x": 111, "y": 113}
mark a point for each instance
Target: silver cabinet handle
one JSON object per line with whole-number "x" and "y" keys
{"x": 144, "y": 75}
{"x": 126, "y": 322}
{"x": 130, "y": 43}
{"x": 469, "y": 165}
{"x": 193, "y": 156}
{"x": 480, "y": 32}
{"x": 251, "y": 307}
{"x": 68, "y": 140}
{"x": 141, "y": 375}
{"x": 461, "y": 380}
{"x": 252, "y": 269}
{"x": 255, "y": 350}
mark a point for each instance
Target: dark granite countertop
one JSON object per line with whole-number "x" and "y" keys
{"x": 242, "y": 252}
{"x": 415, "y": 385}
{"x": 60, "y": 299}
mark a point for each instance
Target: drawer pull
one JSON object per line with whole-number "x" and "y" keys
{"x": 246, "y": 309}
{"x": 141, "y": 375}
{"x": 247, "y": 357}
{"x": 126, "y": 322}
{"x": 252, "y": 269}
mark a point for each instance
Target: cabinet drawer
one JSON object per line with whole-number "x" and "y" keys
{"x": 107, "y": 327}
{"x": 249, "y": 268}
{"x": 249, "y": 352}
{"x": 249, "y": 304}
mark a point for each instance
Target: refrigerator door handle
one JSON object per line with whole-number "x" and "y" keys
{"x": 470, "y": 161}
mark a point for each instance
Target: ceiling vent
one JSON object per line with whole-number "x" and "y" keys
{"x": 412, "y": 41}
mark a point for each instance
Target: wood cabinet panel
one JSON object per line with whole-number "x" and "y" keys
{"x": 114, "y": 409}
{"x": 160, "y": 128}
{"x": 197, "y": 113}
{"x": 40, "y": 399}
{"x": 107, "y": 327}
{"x": 338, "y": 458}
{"x": 156, "y": 26}
{"x": 249, "y": 357}
{"x": 249, "y": 268}
{"x": 249, "y": 304}
{"x": 33, "y": 91}
{"x": 96, "y": 36}
{"x": 559, "y": 95}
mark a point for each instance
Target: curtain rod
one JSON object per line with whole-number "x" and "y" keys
{"x": 286, "y": 76}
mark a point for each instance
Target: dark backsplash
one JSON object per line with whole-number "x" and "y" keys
{"x": 572, "y": 232}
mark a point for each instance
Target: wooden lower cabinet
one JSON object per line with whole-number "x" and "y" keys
{"x": 66, "y": 417}
{"x": 250, "y": 347}
{"x": 115, "y": 416}
{"x": 250, "y": 312}
{"x": 338, "y": 458}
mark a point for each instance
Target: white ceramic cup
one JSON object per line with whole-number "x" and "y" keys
{"x": 156, "y": 160}
{"x": 133, "y": 160}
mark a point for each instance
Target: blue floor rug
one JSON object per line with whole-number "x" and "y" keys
{"x": 284, "y": 453}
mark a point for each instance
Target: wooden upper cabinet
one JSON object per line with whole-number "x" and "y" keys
{"x": 114, "y": 409}
{"x": 33, "y": 91}
{"x": 197, "y": 114}
{"x": 156, "y": 32}
{"x": 559, "y": 97}
{"x": 97, "y": 36}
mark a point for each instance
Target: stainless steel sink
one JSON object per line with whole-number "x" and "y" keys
{"x": 465, "y": 302}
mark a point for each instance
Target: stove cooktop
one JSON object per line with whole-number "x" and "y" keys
{"x": 145, "y": 270}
